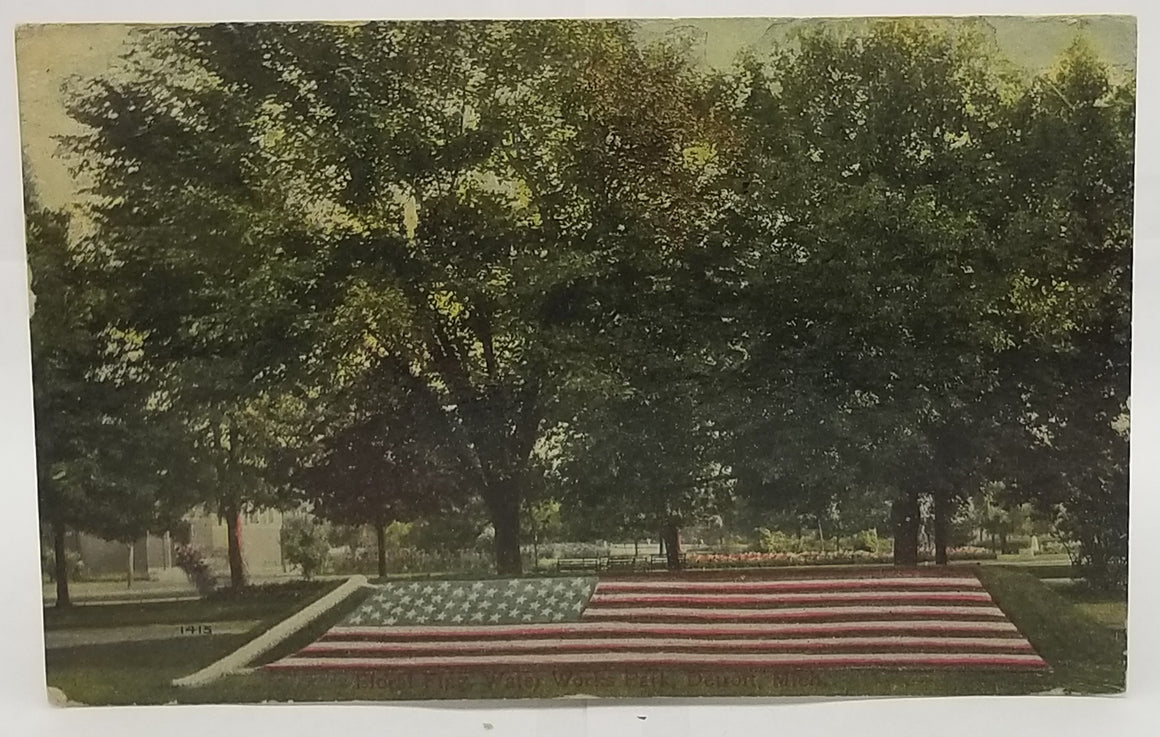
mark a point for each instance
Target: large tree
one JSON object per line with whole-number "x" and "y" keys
{"x": 376, "y": 456}
{"x": 104, "y": 450}
{"x": 874, "y": 270}
{"x": 481, "y": 198}
{"x": 1068, "y": 227}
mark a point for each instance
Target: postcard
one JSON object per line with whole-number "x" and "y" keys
{"x": 530, "y": 359}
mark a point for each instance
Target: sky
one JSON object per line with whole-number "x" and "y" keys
{"x": 48, "y": 55}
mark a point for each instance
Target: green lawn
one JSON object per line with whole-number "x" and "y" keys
{"x": 270, "y": 602}
{"x": 1086, "y": 657}
{"x": 1110, "y": 610}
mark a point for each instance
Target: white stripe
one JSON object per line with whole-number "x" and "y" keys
{"x": 789, "y": 612}
{"x": 833, "y": 644}
{"x": 633, "y": 658}
{"x": 789, "y": 583}
{"x": 725, "y": 628}
{"x": 603, "y": 598}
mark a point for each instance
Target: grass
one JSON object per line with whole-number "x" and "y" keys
{"x": 133, "y": 672}
{"x": 1109, "y": 609}
{"x": 261, "y": 603}
{"x": 1086, "y": 657}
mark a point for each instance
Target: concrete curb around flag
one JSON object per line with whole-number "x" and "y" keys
{"x": 243, "y": 656}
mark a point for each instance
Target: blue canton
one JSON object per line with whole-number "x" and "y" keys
{"x": 504, "y": 601}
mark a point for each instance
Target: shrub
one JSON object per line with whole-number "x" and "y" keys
{"x": 776, "y": 541}
{"x": 304, "y": 545}
{"x": 74, "y": 566}
{"x": 190, "y": 560}
{"x": 577, "y": 550}
{"x": 866, "y": 540}
{"x": 282, "y": 590}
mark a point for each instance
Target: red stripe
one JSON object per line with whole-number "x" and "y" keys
{"x": 612, "y": 646}
{"x": 891, "y": 660}
{"x": 911, "y": 582}
{"x": 773, "y": 615}
{"x": 991, "y": 627}
{"x": 860, "y": 598}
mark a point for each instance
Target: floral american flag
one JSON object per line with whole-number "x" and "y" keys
{"x": 898, "y": 620}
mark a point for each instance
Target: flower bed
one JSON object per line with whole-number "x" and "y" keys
{"x": 845, "y": 557}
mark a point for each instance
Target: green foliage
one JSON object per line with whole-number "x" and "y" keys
{"x": 304, "y": 545}
{"x": 74, "y": 566}
{"x": 866, "y": 540}
{"x": 451, "y": 533}
{"x": 521, "y": 281}
{"x": 191, "y": 561}
{"x": 775, "y": 541}
{"x": 487, "y": 197}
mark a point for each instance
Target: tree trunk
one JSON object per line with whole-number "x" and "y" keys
{"x": 381, "y": 541}
{"x": 505, "y": 518}
{"x": 672, "y": 542}
{"x": 233, "y": 517}
{"x": 942, "y": 526}
{"x": 60, "y": 566}
{"x": 907, "y": 521}
{"x": 661, "y": 544}
{"x": 130, "y": 574}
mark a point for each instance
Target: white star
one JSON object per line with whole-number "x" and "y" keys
{"x": 521, "y": 599}
{"x": 443, "y": 586}
{"x": 477, "y": 585}
{"x": 457, "y": 618}
{"x": 527, "y": 617}
{"x": 473, "y": 595}
{"x": 390, "y": 620}
{"x": 546, "y": 611}
{"x": 495, "y": 617}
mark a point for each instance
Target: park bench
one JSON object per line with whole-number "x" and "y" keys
{"x": 662, "y": 561}
{"x": 621, "y": 563}
{"x": 578, "y": 565}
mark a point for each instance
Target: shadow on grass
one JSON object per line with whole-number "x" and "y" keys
{"x": 252, "y": 602}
